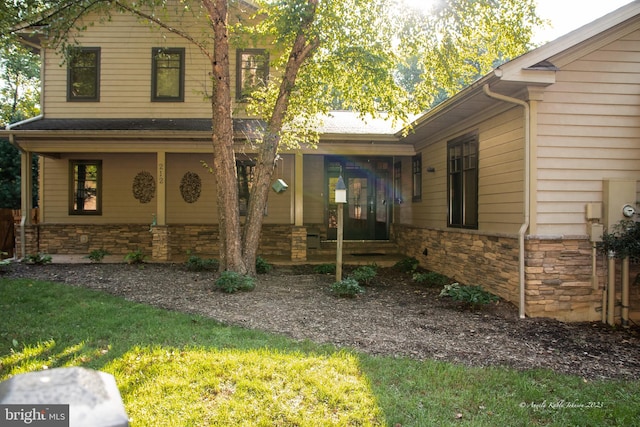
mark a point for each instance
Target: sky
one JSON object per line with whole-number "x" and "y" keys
{"x": 565, "y": 15}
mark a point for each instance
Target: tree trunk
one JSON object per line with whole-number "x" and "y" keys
{"x": 302, "y": 49}
{"x": 224, "y": 164}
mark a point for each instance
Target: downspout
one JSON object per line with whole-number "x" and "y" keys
{"x": 527, "y": 191}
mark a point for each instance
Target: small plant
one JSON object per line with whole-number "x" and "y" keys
{"x": 407, "y": 264}
{"x": 230, "y": 282}
{"x": 195, "y": 263}
{"x": 4, "y": 263}
{"x": 135, "y": 257}
{"x": 364, "y": 274}
{"x": 348, "y": 287}
{"x": 262, "y": 266}
{"x": 325, "y": 269}
{"x": 97, "y": 255}
{"x": 472, "y": 295}
{"x": 39, "y": 259}
{"x": 431, "y": 278}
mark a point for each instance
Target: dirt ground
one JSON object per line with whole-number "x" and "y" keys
{"x": 394, "y": 317}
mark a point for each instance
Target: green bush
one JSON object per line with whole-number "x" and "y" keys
{"x": 325, "y": 269}
{"x": 39, "y": 259}
{"x": 195, "y": 263}
{"x": 135, "y": 257}
{"x": 348, "y": 287}
{"x": 472, "y": 295}
{"x": 262, "y": 266}
{"x": 431, "y": 278}
{"x": 364, "y": 274}
{"x": 407, "y": 264}
{"x": 97, "y": 255}
{"x": 230, "y": 282}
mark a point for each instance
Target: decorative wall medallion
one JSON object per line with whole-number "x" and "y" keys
{"x": 190, "y": 187}
{"x": 144, "y": 187}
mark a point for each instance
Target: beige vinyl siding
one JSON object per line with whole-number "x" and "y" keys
{"x": 280, "y": 205}
{"x": 125, "y": 74}
{"x": 118, "y": 203}
{"x": 202, "y": 211}
{"x": 500, "y": 176}
{"x": 313, "y": 198}
{"x": 589, "y": 130}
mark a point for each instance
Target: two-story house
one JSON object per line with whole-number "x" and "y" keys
{"x": 503, "y": 185}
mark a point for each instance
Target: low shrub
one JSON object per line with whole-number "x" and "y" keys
{"x": 262, "y": 266}
{"x": 364, "y": 274}
{"x": 230, "y": 282}
{"x": 195, "y": 263}
{"x": 431, "y": 278}
{"x": 407, "y": 264}
{"x": 39, "y": 259}
{"x": 348, "y": 287}
{"x": 135, "y": 257}
{"x": 472, "y": 295}
{"x": 5, "y": 264}
{"x": 97, "y": 255}
{"x": 325, "y": 269}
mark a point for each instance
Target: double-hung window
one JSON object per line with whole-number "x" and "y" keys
{"x": 462, "y": 172}
{"x": 252, "y": 71}
{"x": 83, "y": 74}
{"x": 246, "y": 174}
{"x": 416, "y": 173}
{"x": 167, "y": 75}
{"x": 85, "y": 195}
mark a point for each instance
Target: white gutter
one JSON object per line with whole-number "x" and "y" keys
{"x": 525, "y": 223}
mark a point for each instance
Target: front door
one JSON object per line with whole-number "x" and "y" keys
{"x": 367, "y": 211}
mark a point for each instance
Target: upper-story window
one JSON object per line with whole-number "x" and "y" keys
{"x": 167, "y": 75}
{"x": 83, "y": 74}
{"x": 462, "y": 169}
{"x": 252, "y": 71}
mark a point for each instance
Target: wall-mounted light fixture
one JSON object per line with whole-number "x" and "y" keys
{"x": 431, "y": 169}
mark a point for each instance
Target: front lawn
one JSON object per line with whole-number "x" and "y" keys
{"x": 174, "y": 369}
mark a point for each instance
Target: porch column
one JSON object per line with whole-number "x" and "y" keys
{"x": 299, "y": 231}
{"x": 160, "y": 231}
{"x": 28, "y": 237}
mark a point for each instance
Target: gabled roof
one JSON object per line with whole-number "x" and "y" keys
{"x": 536, "y": 68}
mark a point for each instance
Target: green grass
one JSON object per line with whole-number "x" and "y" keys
{"x": 175, "y": 369}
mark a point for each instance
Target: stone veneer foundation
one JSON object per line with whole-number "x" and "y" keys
{"x": 558, "y": 270}
{"x": 159, "y": 243}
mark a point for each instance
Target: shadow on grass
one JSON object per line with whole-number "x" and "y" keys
{"x": 178, "y": 369}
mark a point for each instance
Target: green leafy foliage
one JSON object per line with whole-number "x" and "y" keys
{"x": 473, "y": 295}
{"x": 262, "y": 266}
{"x": 348, "y": 287}
{"x": 431, "y": 278}
{"x": 623, "y": 240}
{"x": 97, "y": 255}
{"x": 231, "y": 282}
{"x": 196, "y": 263}
{"x": 325, "y": 269}
{"x": 364, "y": 274}
{"x": 407, "y": 264}
{"x": 38, "y": 259}
{"x": 135, "y": 257}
